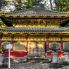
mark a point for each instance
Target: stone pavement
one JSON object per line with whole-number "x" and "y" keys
{"x": 30, "y": 66}
{"x": 33, "y": 66}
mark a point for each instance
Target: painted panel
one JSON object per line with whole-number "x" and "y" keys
{"x": 36, "y": 48}
{"x": 54, "y": 45}
{"x": 20, "y": 46}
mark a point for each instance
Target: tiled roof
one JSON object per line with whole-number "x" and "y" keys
{"x": 35, "y": 12}
{"x": 31, "y": 30}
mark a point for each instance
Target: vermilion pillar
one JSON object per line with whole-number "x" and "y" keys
{"x": 46, "y": 45}
{"x": 27, "y": 42}
{"x": 27, "y": 45}
{"x": 61, "y": 44}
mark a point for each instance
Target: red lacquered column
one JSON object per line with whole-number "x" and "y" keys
{"x": 61, "y": 44}
{"x": 46, "y": 45}
{"x": 27, "y": 46}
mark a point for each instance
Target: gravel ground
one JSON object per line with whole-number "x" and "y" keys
{"x": 33, "y": 66}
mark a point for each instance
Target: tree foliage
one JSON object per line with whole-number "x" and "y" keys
{"x": 62, "y": 5}
{"x": 27, "y": 5}
{"x": 53, "y": 5}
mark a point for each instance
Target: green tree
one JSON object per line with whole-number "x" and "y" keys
{"x": 62, "y": 5}
{"x": 29, "y": 4}
{"x": 51, "y": 4}
{"x": 18, "y": 6}
{"x": 32, "y": 3}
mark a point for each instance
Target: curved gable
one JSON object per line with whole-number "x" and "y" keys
{"x": 65, "y": 23}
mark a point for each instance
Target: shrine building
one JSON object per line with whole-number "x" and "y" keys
{"x": 34, "y": 32}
